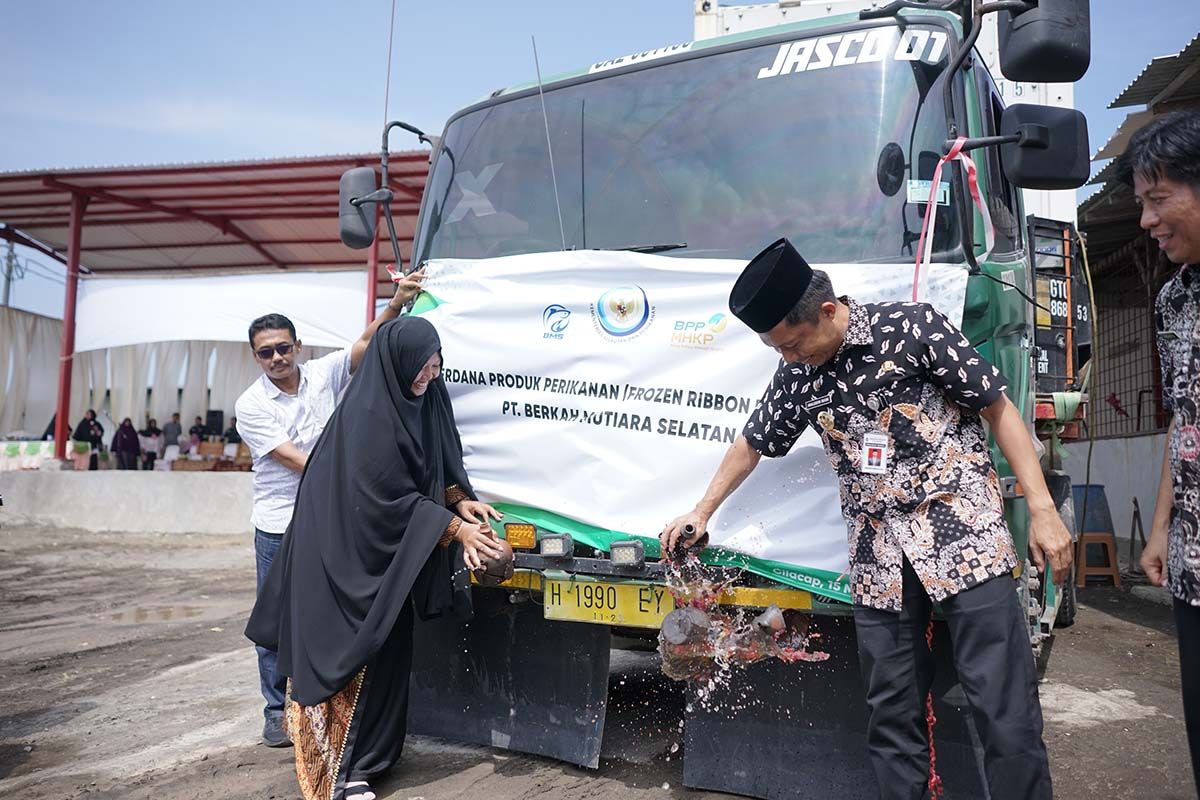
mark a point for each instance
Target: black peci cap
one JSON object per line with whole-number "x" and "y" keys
{"x": 770, "y": 286}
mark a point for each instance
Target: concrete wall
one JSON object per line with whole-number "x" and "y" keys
{"x": 138, "y": 502}
{"x": 1128, "y": 467}
{"x": 219, "y": 502}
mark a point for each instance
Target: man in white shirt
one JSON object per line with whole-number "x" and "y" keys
{"x": 280, "y": 417}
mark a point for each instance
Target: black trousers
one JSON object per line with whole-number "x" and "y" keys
{"x": 382, "y": 715}
{"x": 995, "y": 667}
{"x": 1187, "y": 623}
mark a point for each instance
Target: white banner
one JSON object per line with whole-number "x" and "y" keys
{"x": 328, "y": 308}
{"x": 606, "y": 387}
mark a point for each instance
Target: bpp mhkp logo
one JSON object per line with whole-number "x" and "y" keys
{"x": 695, "y": 333}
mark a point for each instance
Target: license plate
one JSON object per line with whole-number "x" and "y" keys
{"x": 632, "y": 605}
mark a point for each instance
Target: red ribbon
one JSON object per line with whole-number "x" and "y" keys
{"x": 955, "y": 153}
{"x": 936, "y": 789}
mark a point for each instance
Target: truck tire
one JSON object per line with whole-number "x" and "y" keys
{"x": 1066, "y": 609}
{"x": 1059, "y": 484}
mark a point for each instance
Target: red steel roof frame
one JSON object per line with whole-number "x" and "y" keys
{"x": 180, "y": 218}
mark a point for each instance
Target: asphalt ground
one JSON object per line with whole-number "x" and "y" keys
{"x": 124, "y": 674}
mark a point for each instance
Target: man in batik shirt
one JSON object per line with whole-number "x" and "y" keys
{"x": 1162, "y": 164}
{"x": 896, "y": 394}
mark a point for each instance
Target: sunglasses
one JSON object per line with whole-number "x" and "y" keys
{"x": 266, "y": 353}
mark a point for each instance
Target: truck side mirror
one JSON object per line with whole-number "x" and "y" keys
{"x": 889, "y": 169}
{"x": 1051, "y": 151}
{"x": 1049, "y": 43}
{"x": 434, "y": 143}
{"x": 356, "y": 223}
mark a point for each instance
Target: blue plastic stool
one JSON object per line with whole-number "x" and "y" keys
{"x": 1099, "y": 519}
{"x": 1094, "y": 524}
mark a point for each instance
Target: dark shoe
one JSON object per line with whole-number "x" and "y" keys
{"x": 275, "y": 734}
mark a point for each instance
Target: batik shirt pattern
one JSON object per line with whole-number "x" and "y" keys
{"x": 905, "y": 371}
{"x": 1177, "y": 321}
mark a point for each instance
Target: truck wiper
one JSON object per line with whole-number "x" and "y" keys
{"x": 650, "y": 248}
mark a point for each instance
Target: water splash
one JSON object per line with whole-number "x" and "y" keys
{"x": 704, "y": 643}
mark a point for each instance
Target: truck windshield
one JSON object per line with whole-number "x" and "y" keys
{"x": 829, "y": 140}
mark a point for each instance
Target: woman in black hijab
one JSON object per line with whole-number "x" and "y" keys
{"x": 372, "y": 540}
{"x": 90, "y": 431}
{"x": 125, "y": 445}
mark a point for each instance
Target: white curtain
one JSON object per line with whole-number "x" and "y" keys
{"x": 7, "y": 359}
{"x": 130, "y": 366}
{"x": 29, "y": 347}
{"x": 18, "y": 341}
{"x": 234, "y": 369}
{"x": 41, "y": 388}
{"x": 99, "y": 369}
{"x": 164, "y": 393}
{"x": 195, "y": 383}
{"x": 121, "y": 369}
{"x": 81, "y": 388}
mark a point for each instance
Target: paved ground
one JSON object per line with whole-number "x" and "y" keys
{"x": 123, "y": 674}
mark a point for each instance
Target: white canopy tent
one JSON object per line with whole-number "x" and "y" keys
{"x": 326, "y": 307}
{"x": 169, "y": 333}
{"x": 165, "y": 344}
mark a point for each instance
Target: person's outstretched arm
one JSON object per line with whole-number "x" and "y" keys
{"x": 406, "y": 289}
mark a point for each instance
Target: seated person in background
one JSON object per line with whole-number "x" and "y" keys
{"x": 198, "y": 432}
{"x": 231, "y": 435}
{"x": 151, "y": 440}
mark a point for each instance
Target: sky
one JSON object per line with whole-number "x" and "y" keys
{"x": 123, "y": 82}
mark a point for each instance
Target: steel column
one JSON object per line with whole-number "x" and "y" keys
{"x": 62, "y": 425}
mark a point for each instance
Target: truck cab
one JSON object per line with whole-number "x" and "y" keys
{"x": 832, "y": 133}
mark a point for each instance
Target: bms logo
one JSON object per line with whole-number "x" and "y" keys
{"x": 622, "y": 312}
{"x": 698, "y": 334}
{"x": 555, "y": 319}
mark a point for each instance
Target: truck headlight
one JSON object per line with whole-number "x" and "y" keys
{"x": 631, "y": 553}
{"x": 520, "y": 535}
{"x": 558, "y": 545}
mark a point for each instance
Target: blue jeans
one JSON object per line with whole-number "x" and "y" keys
{"x": 273, "y": 685}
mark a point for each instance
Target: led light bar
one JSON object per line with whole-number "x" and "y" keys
{"x": 630, "y": 553}
{"x": 520, "y": 535}
{"x": 557, "y": 545}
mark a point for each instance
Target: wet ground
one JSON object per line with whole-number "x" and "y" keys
{"x": 123, "y": 674}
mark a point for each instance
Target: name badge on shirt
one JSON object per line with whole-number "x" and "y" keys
{"x": 874, "y": 453}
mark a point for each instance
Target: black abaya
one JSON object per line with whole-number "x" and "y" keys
{"x": 362, "y": 544}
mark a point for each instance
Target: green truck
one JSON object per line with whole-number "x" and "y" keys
{"x": 828, "y": 132}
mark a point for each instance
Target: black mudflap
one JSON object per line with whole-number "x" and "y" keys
{"x": 512, "y": 679}
{"x": 799, "y": 730}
